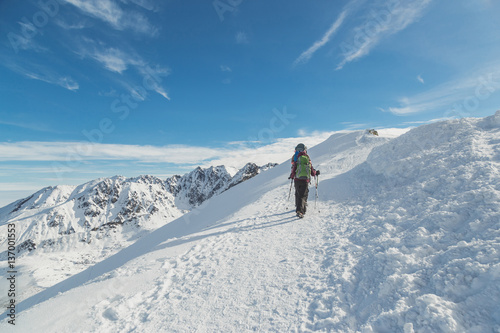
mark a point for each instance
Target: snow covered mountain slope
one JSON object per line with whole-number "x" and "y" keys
{"x": 72, "y": 228}
{"x": 423, "y": 218}
{"x": 405, "y": 238}
{"x": 199, "y": 185}
{"x": 64, "y": 229}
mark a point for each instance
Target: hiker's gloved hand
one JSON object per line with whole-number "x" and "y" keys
{"x": 317, "y": 172}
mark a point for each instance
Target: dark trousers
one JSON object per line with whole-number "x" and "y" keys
{"x": 301, "y": 194}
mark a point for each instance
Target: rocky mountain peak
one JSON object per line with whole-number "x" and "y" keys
{"x": 91, "y": 210}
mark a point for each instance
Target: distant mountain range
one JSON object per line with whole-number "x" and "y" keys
{"x": 63, "y": 216}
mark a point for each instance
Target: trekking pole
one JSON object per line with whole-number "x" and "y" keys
{"x": 317, "y": 196}
{"x": 289, "y": 194}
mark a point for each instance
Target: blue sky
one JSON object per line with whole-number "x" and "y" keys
{"x": 95, "y": 88}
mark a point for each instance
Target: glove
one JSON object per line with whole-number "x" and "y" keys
{"x": 317, "y": 172}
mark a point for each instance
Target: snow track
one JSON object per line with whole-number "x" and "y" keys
{"x": 268, "y": 264}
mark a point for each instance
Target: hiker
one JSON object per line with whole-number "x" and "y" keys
{"x": 302, "y": 170}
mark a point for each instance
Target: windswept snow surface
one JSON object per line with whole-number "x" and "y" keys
{"x": 405, "y": 238}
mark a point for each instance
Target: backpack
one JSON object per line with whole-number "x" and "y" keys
{"x": 300, "y": 148}
{"x": 303, "y": 168}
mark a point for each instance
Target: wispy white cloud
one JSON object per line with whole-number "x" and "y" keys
{"x": 59, "y": 151}
{"x": 234, "y": 154}
{"x": 383, "y": 23}
{"x": 105, "y": 10}
{"x": 225, "y": 68}
{"x": 241, "y": 37}
{"x": 423, "y": 122}
{"x": 112, "y": 59}
{"x": 25, "y": 41}
{"x": 63, "y": 81}
{"x": 141, "y": 92}
{"x": 110, "y": 12}
{"x": 19, "y": 42}
{"x": 302, "y": 132}
{"x": 162, "y": 92}
{"x": 146, "y": 4}
{"x": 463, "y": 93}
{"x": 68, "y": 83}
{"x": 27, "y": 125}
{"x": 109, "y": 93}
{"x": 154, "y": 78}
{"x": 313, "y": 135}
{"x": 119, "y": 61}
{"x": 43, "y": 74}
{"x": 420, "y": 79}
{"x": 72, "y": 24}
{"x": 350, "y": 126}
{"x": 9, "y": 187}
{"x": 306, "y": 55}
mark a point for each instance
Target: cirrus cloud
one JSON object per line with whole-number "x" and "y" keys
{"x": 110, "y": 12}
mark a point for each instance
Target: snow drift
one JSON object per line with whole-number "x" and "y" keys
{"x": 424, "y": 216}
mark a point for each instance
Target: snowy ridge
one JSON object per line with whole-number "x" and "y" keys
{"x": 99, "y": 205}
{"x": 45, "y": 198}
{"x": 199, "y": 185}
{"x": 248, "y": 171}
{"x": 405, "y": 238}
{"x": 423, "y": 229}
